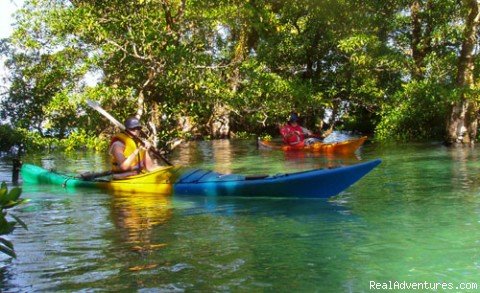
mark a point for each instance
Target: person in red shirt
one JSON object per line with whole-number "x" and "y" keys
{"x": 294, "y": 134}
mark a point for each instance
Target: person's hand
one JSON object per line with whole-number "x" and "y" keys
{"x": 147, "y": 145}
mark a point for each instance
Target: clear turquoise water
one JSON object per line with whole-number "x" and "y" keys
{"x": 416, "y": 218}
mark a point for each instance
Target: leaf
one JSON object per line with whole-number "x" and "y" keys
{"x": 6, "y": 227}
{"x": 20, "y": 222}
{"x": 9, "y": 204}
{"x": 8, "y": 251}
{"x": 6, "y": 243}
{"x": 14, "y": 193}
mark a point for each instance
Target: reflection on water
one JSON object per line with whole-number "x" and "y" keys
{"x": 303, "y": 160}
{"x": 414, "y": 218}
{"x": 136, "y": 216}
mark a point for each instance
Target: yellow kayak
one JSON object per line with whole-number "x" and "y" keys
{"x": 159, "y": 181}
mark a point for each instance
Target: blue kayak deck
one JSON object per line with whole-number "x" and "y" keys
{"x": 313, "y": 183}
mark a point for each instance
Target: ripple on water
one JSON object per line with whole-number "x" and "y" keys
{"x": 415, "y": 218}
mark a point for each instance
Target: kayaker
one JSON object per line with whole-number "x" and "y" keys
{"x": 126, "y": 154}
{"x": 294, "y": 134}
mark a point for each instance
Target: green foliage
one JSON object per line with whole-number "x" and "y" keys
{"x": 8, "y": 200}
{"x": 35, "y": 141}
{"x": 10, "y": 137}
{"x": 255, "y": 60}
{"x": 244, "y": 135}
{"x": 267, "y": 137}
{"x": 265, "y": 98}
{"x": 418, "y": 113}
{"x": 80, "y": 140}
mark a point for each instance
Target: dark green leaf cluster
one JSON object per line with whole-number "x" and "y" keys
{"x": 418, "y": 113}
{"x": 9, "y": 137}
{"x": 8, "y": 200}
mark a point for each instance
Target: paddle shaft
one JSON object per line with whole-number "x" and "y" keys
{"x": 152, "y": 149}
{"x": 89, "y": 176}
{"x": 143, "y": 142}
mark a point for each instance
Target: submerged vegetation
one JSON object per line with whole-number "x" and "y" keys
{"x": 201, "y": 69}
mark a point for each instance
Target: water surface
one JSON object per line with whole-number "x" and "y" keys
{"x": 416, "y": 218}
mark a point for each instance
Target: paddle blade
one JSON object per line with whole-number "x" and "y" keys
{"x": 95, "y": 105}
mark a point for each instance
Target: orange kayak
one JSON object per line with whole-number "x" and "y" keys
{"x": 342, "y": 147}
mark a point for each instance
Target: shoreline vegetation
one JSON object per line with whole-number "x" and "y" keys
{"x": 194, "y": 70}
{"x": 81, "y": 141}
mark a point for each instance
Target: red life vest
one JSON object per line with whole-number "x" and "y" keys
{"x": 292, "y": 135}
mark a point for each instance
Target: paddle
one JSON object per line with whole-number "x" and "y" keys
{"x": 89, "y": 175}
{"x": 140, "y": 140}
{"x": 93, "y": 175}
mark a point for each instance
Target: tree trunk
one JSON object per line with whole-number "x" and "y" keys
{"x": 422, "y": 30}
{"x": 462, "y": 123}
{"x": 417, "y": 54}
{"x": 220, "y": 122}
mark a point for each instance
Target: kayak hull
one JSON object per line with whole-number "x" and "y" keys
{"x": 318, "y": 183}
{"x": 342, "y": 147}
{"x": 159, "y": 181}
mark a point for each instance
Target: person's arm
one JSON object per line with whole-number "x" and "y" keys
{"x": 306, "y": 131}
{"x": 149, "y": 163}
{"x": 123, "y": 163}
